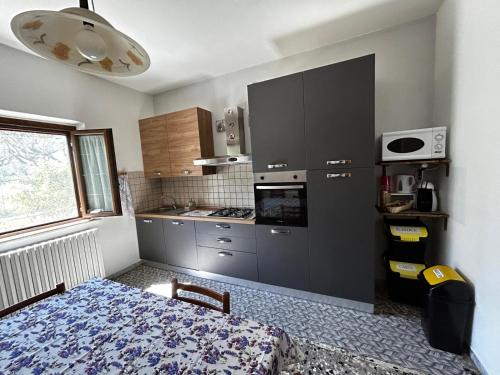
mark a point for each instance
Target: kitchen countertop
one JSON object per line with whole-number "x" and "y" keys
{"x": 176, "y": 214}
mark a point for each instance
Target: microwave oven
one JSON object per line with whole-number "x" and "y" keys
{"x": 428, "y": 143}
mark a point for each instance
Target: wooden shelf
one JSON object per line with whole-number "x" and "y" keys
{"x": 443, "y": 162}
{"x": 418, "y": 214}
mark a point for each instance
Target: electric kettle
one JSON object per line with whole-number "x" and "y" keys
{"x": 405, "y": 184}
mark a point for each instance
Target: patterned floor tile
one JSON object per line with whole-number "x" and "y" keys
{"x": 393, "y": 334}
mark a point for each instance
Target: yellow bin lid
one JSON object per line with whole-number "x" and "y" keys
{"x": 439, "y": 274}
{"x": 408, "y": 233}
{"x": 406, "y": 270}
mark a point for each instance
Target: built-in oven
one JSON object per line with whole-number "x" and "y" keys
{"x": 281, "y": 198}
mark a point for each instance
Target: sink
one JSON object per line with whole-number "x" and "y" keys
{"x": 167, "y": 211}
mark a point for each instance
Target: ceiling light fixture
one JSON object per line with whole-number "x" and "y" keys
{"x": 81, "y": 38}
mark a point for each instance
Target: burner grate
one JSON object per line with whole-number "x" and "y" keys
{"x": 239, "y": 213}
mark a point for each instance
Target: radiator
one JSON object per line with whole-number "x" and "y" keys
{"x": 31, "y": 270}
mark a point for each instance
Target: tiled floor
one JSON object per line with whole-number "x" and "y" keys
{"x": 393, "y": 334}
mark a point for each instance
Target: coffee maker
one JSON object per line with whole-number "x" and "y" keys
{"x": 426, "y": 197}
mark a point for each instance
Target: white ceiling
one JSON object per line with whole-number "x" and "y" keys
{"x": 193, "y": 40}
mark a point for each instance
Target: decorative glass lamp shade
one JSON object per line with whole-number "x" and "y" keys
{"x": 82, "y": 39}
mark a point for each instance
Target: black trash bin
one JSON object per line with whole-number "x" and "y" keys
{"x": 447, "y": 309}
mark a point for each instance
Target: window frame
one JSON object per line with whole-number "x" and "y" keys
{"x": 71, "y": 133}
{"x": 113, "y": 174}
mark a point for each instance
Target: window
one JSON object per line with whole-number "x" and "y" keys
{"x": 52, "y": 173}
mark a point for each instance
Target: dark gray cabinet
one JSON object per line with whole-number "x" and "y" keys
{"x": 180, "y": 241}
{"x": 229, "y": 263}
{"x": 341, "y": 207}
{"x": 225, "y": 229}
{"x": 227, "y": 249}
{"x": 283, "y": 256}
{"x": 277, "y": 124}
{"x": 151, "y": 239}
{"x": 339, "y": 114}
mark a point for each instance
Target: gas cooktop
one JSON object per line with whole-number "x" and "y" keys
{"x": 237, "y": 213}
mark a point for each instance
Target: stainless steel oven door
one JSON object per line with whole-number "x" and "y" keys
{"x": 281, "y": 203}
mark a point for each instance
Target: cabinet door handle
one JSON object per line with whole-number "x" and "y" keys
{"x": 275, "y": 166}
{"x": 280, "y": 231}
{"x": 339, "y": 162}
{"x": 157, "y": 173}
{"x": 339, "y": 175}
{"x": 186, "y": 171}
{"x": 224, "y": 240}
{"x": 177, "y": 223}
{"x": 147, "y": 221}
{"x": 225, "y": 254}
{"x": 223, "y": 226}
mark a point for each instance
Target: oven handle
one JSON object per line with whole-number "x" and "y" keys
{"x": 278, "y": 187}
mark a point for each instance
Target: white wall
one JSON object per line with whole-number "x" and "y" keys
{"x": 404, "y": 87}
{"x": 30, "y": 84}
{"x": 467, "y": 100}
{"x": 404, "y": 78}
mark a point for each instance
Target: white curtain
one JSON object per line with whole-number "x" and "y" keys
{"x": 96, "y": 173}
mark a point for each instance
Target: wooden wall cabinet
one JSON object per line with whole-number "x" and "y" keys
{"x": 172, "y": 141}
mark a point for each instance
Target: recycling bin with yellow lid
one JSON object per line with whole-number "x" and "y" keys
{"x": 406, "y": 240}
{"x": 402, "y": 282}
{"x": 447, "y": 308}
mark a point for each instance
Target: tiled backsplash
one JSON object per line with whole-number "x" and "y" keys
{"x": 232, "y": 186}
{"x": 146, "y": 193}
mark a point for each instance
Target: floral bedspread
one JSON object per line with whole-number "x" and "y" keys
{"x": 102, "y": 327}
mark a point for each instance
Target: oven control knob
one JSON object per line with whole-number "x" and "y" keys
{"x": 438, "y": 146}
{"x": 439, "y": 137}
{"x": 261, "y": 177}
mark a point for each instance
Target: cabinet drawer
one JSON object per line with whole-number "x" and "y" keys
{"x": 225, "y": 229}
{"x": 245, "y": 244}
{"x": 283, "y": 256}
{"x": 229, "y": 263}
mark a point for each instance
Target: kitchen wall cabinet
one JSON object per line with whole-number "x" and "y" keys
{"x": 283, "y": 256}
{"x": 151, "y": 239}
{"x": 339, "y": 110}
{"x": 172, "y": 141}
{"x": 276, "y": 113}
{"x": 155, "y": 155}
{"x": 180, "y": 243}
{"x": 341, "y": 206}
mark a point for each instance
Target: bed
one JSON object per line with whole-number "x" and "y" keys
{"x": 103, "y": 327}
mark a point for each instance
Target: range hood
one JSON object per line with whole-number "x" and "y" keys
{"x": 232, "y": 125}
{"x": 225, "y": 160}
